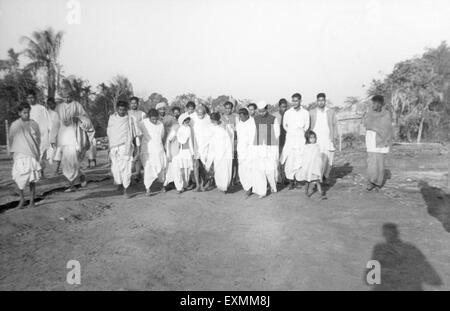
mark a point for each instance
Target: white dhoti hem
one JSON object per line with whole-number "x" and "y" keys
{"x": 246, "y": 174}
{"x": 222, "y": 173}
{"x": 182, "y": 168}
{"x": 25, "y": 170}
{"x": 154, "y": 168}
{"x": 265, "y": 169}
{"x": 121, "y": 165}
{"x": 70, "y": 162}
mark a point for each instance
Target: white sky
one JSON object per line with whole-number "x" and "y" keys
{"x": 256, "y": 49}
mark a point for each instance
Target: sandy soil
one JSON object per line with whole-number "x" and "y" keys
{"x": 212, "y": 241}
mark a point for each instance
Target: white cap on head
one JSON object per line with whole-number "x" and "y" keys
{"x": 161, "y": 105}
{"x": 261, "y": 104}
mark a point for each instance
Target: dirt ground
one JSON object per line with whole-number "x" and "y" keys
{"x": 215, "y": 241}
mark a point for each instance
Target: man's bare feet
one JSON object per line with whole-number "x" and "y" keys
{"x": 70, "y": 189}
{"x": 21, "y": 204}
{"x": 125, "y": 194}
{"x": 32, "y": 204}
{"x": 148, "y": 193}
{"x": 248, "y": 193}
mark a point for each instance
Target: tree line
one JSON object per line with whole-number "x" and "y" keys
{"x": 417, "y": 90}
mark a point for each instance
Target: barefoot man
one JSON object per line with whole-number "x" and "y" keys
{"x": 202, "y": 132}
{"x": 324, "y": 124}
{"x": 379, "y": 135}
{"x": 72, "y": 140}
{"x": 152, "y": 151}
{"x": 219, "y": 157}
{"x": 265, "y": 151}
{"x": 24, "y": 139}
{"x": 124, "y": 143}
{"x": 296, "y": 123}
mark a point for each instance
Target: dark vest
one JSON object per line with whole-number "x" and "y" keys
{"x": 265, "y": 132}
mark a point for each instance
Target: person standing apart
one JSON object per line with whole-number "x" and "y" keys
{"x": 245, "y": 130}
{"x": 324, "y": 125}
{"x": 379, "y": 135}
{"x": 265, "y": 151}
{"x": 152, "y": 149}
{"x": 124, "y": 145}
{"x": 296, "y": 123}
{"x": 40, "y": 114}
{"x": 24, "y": 139}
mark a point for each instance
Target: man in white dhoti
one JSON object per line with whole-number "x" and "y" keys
{"x": 24, "y": 139}
{"x": 296, "y": 123}
{"x": 229, "y": 120}
{"x": 324, "y": 124}
{"x": 54, "y": 118}
{"x": 73, "y": 141}
{"x": 202, "y": 129}
{"x": 172, "y": 147}
{"x": 265, "y": 151}
{"x": 219, "y": 158}
{"x": 124, "y": 143}
{"x": 40, "y": 114}
{"x": 138, "y": 116}
{"x": 153, "y": 155}
{"x": 246, "y": 130}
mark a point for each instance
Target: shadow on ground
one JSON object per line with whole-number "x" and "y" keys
{"x": 403, "y": 266}
{"x": 438, "y": 203}
{"x": 336, "y": 173}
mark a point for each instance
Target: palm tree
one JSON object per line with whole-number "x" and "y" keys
{"x": 43, "y": 49}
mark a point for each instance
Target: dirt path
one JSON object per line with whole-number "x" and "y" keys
{"x": 212, "y": 241}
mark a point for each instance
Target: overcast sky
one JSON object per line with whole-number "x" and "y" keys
{"x": 257, "y": 49}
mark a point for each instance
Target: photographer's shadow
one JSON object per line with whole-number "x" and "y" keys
{"x": 403, "y": 266}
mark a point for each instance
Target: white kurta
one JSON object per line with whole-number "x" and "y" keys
{"x": 296, "y": 123}
{"x": 40, "y": 114}
{"x": 326, "y": 145}
{"x": 245, "y": 139}
{"x": 202, "y": 133}
{"x": 220, "y": 154}
{"x": 153, "y": 156}
{"x": 68, "y": 144}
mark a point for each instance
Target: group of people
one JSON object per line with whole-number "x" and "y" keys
{"x": 195, "y": 149}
